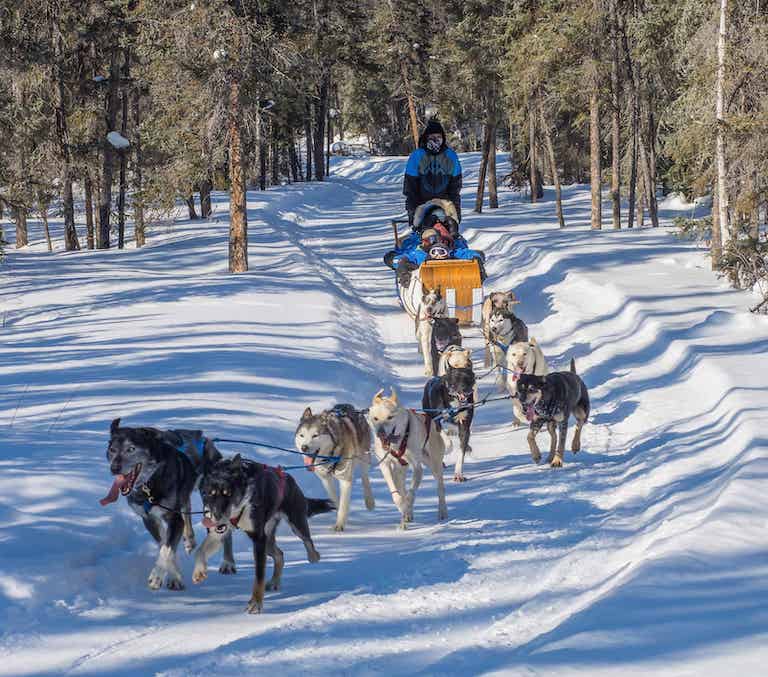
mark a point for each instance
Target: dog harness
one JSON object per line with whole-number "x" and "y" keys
{"x": 399, "y": 453}
{"x": 281, "y": 481}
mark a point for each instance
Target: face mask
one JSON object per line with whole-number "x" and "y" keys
{"x": 434, "y": 146}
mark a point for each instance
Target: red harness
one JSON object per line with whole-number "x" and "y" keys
{"x": 400, "y": 451}
{"x": 281, "y": 481}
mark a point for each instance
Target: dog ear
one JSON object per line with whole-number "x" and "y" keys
{"x": 532, "y": 342}
{"x": 392, "y": 396}
{"x": 115, "y": 425}
{"x": 378, "y": 395}
{"x": 236, "y": 462}
{"x": 307, "y": 414}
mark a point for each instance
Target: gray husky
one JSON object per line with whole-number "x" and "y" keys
{"x": 341, "y": 431}
{"x": 242, "y": 494}
{"x": 157, "y": 470}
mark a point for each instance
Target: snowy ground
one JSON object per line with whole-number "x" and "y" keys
{"x": 647, "y": 552}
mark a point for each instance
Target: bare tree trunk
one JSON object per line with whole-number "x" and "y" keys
{"x": 261, "y": 142}
{"x": 594, "y": 157}
{"x": 653, "y": 205}
{"x": 308, "y": 138}
{"x": 123, "y": 186}
{"x": 493, "y": 189}
{"x": 532, "y": 159}
{"x": 22, "y": 235}
{"x": 110, "y": 118}
{"x": 716, "y": 245}
{"x": 546, "y": 130}
{"x": 615, "y": 118}
{"x": 88, "y": 187}
{"x": 190, "y": 200}
{"x": 46, "y": 230}
{"x": 329, "y": 138}
{"x": 483, "y": 170}
{"x": 139, "y": 229}
{"x": 411, "y": 104}
{"x": 238, "y": 222}
{"x": 321, "y": 111}
{"x": 722, "y": 192}
{"x": 293, "y": 161}
{"x": 68, "y": 204}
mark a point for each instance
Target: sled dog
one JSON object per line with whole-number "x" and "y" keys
{"x": 406, "y": 439}
{"x": 523, "y": 357}
{"x": 505, "y": 301}
{"x": 504, "y": 329}
{"x": 432, "y": 306}
{"x": 550, "y": 400}
{"x": 157, "y": 470}
{"x": 454, "y": 390}
{"x": 242, "y": 494}
{"x": 341, "y": 431}
{"x": 445, "y": 332}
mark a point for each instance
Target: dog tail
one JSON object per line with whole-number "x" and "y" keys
{"x": 317, "y": 506}
{"x": 573, "y": 366}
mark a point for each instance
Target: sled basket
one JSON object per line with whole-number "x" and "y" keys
{"x": 459, "y": 281}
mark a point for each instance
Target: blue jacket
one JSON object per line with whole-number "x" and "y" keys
{"x": 432, "y": 175}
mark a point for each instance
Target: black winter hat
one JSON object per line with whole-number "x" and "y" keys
{"x": 433, "y": 127}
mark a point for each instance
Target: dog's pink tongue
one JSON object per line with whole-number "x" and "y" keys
{"x": 114, "y": 491}
{"x": 208, "y": 523}
{"x": 310, "y": 463}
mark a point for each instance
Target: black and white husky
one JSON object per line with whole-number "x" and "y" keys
{"x": 432, "y": 306}
{"x": 242, "y": 494}
{"x": 454, "y": 390}
{"x": 445, "y": 333}
{"x": 156, "y": 471}
{"x": 341, "y": 431}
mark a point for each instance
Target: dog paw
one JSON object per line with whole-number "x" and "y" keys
{"x": 254, "y": 606}
{"x": 273, "y": 585}
{"x": 189, "y": 545}
{"x": 201, "y": 573}
{"x": 370, "y": 504}
{"x": 536, "y": 458}
{"x": 403, "y": 525}
{"x": 155, "y": 579}
{"x": 442, "y": 514}
{"x": 556, "y": 462}
{"x": 337, "y": 528}
{"x": 175, "y": 584}
{"x": 459, "y": 478}
{"x": 313, "y": 556}
{"x": 226, "y": 568}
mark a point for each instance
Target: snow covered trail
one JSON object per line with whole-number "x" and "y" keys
{"x": 646, "y": 552}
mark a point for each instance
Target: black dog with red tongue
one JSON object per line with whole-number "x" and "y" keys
{"x": 156, "y": 471}
{"x": 550, "y": 400}
{"x": 242, "y": 494}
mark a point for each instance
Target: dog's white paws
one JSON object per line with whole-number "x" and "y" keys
{"x": 556, "y": 462}
{"x": 175, "y": 584}
{"x": 254, "y": 606}
{"x": 226, "y": 568}
{"x": 201, "y": 573}
{"x": 155, "y": 579}
{"x": 189, "y": 545}
{"x": 337, "y": 527}
{"x": 459, "y": 478}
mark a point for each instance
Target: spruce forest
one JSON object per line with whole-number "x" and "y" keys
{"x": 111, "y": 111}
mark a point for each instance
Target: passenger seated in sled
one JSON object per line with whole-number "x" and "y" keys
{"x": 439, "y": 216}
{"x": 437, "y": 242}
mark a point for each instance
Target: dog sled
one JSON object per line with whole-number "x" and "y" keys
{"x": 459, "y": 279}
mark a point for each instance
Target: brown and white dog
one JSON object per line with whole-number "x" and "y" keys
{"x": 523, "y": 357}
{"x": 432, "y": 306}
{"x": 406, "y": 439}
